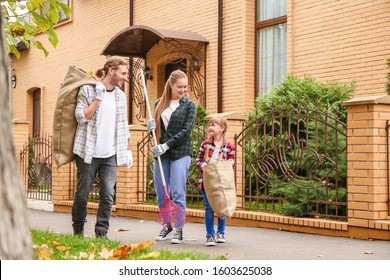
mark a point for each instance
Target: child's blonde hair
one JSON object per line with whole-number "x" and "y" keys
{"x": 221, "y": 121}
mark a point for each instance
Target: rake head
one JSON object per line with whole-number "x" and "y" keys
{"x": 170, "y": 213}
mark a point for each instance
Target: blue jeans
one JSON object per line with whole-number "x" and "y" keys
{"x": 107, "y": 168}
{"x": 176, "y": 175}
{"x": 209, "y": 218}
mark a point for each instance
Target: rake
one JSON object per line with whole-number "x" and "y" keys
{"x": 169, "y": 212}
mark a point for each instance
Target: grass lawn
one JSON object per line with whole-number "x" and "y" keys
{"x": 50, "y": 245}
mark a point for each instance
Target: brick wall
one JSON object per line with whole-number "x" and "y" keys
{"x": 341, "y": 41}
{"x": 20, "y": 133}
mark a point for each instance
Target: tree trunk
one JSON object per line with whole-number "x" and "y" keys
{"x": 15, "y": 243}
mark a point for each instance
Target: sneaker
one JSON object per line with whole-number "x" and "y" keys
{"x": 177, "y": 236}
{"x": 210, "y": 241}
{"x": 100, "y": 233}
{"x": 220, "y": 238}
{"x": 78, "y": 229}
{"x": 165, "y": 231}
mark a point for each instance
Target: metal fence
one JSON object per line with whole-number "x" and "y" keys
{"x": 36, "y": 167}
{"x": 294, "y": 162}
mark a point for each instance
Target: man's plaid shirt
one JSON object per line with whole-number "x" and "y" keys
{"x": 85, "y": 140}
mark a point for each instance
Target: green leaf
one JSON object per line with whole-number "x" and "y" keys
{"x": 55, "y": 16}
{"x": 53, "y": 37}
{"x": 14, "y": 50}
{"x": 39, "y": 46}
{"x": 65, "y": 9}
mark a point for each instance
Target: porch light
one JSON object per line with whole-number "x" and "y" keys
{"x": 194, "y": 64}
{"x": 13, "y": 80}
{"x": 148, "y": 73}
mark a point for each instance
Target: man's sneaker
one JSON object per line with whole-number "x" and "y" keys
{"x": 101, "y": 233}
{"x": 210, "y": 241}
{"x": 177, "y": 236}
{"x": 220, "y": 238}
{"x": 165, "y": 231}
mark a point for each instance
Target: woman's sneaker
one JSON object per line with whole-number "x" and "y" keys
{"x": 177, "y": 236}
{"x": 220, "y": 238}
{"x": 165, "y": 231}
{"x": 210, "y": 241}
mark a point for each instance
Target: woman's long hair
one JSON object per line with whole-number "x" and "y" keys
{"x": 166, "y": 98}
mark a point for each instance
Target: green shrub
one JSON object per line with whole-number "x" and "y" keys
{"x": 300, "y": 96}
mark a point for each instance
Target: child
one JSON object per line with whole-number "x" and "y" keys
{"x": 208, "y": 153}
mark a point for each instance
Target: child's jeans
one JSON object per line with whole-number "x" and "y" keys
{"x": 209, "y": 218}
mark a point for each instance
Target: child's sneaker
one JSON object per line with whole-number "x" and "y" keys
{"x": 177, "y": 236}
{"x": 165, "y": 231}
{"x": 210, "y": 241}
{"x": 220, "y": 238}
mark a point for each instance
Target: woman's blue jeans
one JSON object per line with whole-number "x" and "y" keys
{"x": 175, "y": 175}
{"x": 209, "y": 218}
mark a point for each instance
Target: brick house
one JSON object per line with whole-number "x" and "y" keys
{"x": 235, "y": 51}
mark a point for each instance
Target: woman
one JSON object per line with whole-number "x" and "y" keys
{"x": 174, "y": 119}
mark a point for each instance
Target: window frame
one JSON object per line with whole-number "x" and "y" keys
{"x": 260, "y": 25}
{"x": 68, "y": 19}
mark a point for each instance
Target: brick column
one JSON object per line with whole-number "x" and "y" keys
{"x": 235, "y": 126}
{"x": 367, "y": 165}
{"x": 20, "y": 134}
{"x": 127, "y": 179}
{"x": 64, "y": 180}
{"x": 20, "y": 130}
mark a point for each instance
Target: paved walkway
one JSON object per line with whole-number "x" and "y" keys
{"x": 243, "y": 243}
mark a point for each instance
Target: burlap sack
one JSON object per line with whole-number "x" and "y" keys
{"x": 219, "y": 184}
{"x": 64, "y": 123}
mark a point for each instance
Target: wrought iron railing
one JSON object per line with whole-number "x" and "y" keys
{"x": 294, "y": 162}
{"x": 36, "y": 167}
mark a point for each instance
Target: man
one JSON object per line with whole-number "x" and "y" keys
{"x": 101, "y": 142}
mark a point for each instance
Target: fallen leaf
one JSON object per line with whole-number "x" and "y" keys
{"x": 151, "y": 255}
{"x": 136, "y": 247}
{"x": 106, "y": 254}
{"x": 191, "y": 239}
{"x": 121, "y": 229}
{"x": 83, "y": 256}
{"x": 120, "y": 253}
{"x": 368, "y": 253}
{"x": 43, "y": 252}
{"x": 63, "y": 248}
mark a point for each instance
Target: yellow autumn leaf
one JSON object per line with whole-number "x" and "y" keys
{"x": 43, "y": 252}
{"x": 63, "y": 248}
{"x": 121, "y": 229}
{"x": 83, "y": 256}
{"x": 152, "y": 255}
{"x": 106, "y": 253}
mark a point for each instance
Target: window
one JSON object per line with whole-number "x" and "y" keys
{"x": 36, "y": 112}
{"x": 271, "y": 43}
{"x": 63, "y": 17}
